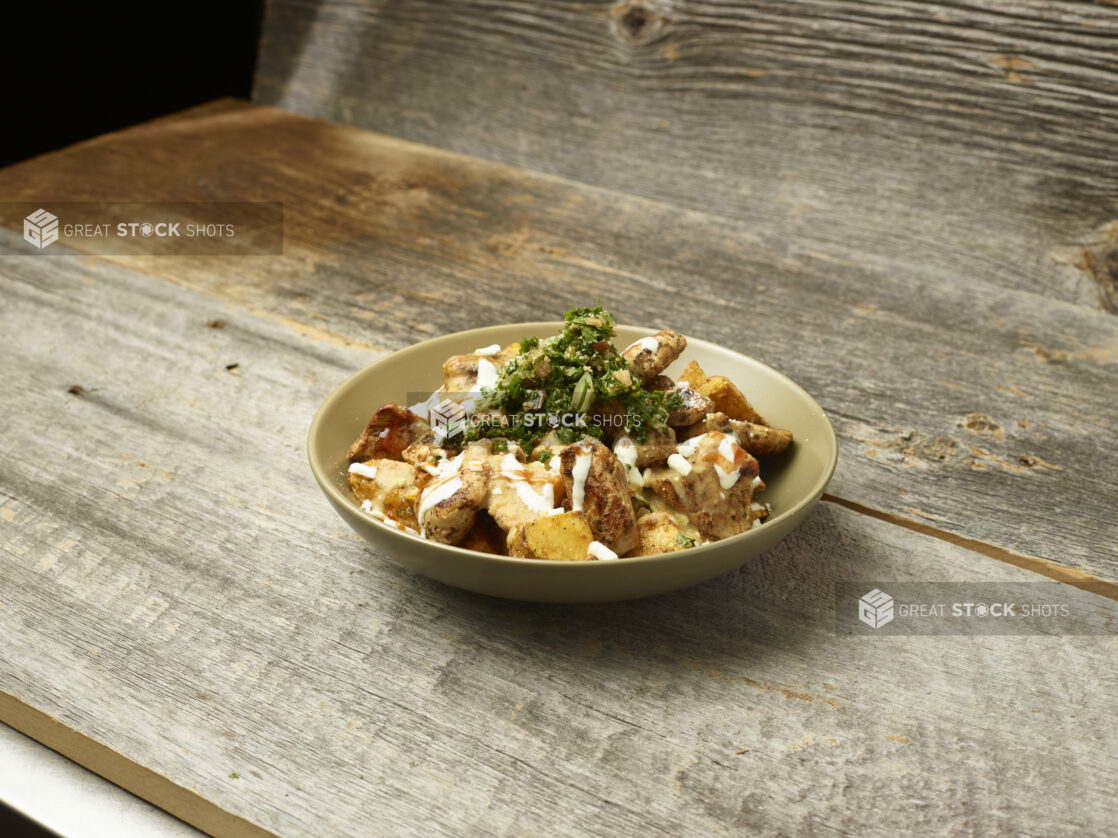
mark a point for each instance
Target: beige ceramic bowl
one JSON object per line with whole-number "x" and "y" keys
{"x": 795, "y": 479}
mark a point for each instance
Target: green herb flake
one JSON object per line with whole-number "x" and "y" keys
{"x": 545, "y": 455}
{"x": 684, "y": 541}
{"x": 640, "y": 505}
{"x": 499, "y": 446}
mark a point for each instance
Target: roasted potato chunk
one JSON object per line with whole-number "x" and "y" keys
{"x": 392, "y": 429}
{"x": 391, "y": 488}
{"x": 728, "y": 399}
{"x": 693, "y": 375}
{"x": 658, "y": 534}
{"x": 558, "y": 538}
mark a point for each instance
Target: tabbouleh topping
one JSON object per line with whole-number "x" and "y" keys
{"x": 554, "y": 384}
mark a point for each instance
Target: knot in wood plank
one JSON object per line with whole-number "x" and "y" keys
{"x": 1097, "y": 257}
{"x": 1101, "y": 264}
{"x": 636, "y": 22}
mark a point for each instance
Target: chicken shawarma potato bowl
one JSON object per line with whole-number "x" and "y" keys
{"x": 563, "y": 448}
{"x": 794, "y": 480}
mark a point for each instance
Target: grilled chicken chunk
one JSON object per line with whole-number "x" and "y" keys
{"x": 449, "y": 504}
{"x": 651, "y": 355}
{"x": 460, "y": 372}
{"x": 713, "y": 485}
{"x": 612, "y": 417}
{"x": 658, "y": 445}
{"x": 425, "y": 452}
{"x": 389, "y": 432}
{"x": 758, "y": 440}
{"x": 695, "y": 405}
{"x": 596, "y": 483}
{"x": 520, "y": 493}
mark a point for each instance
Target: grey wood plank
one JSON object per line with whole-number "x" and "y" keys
{"x": 982, "y": 411}
{"x": 173, "y": 586}
{"x": 938, "y": 140}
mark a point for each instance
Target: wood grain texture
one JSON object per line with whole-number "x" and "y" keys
{"x": 982, "y": 411}
{"x": 173, "y": 586}
{"x": 936, "y": 140}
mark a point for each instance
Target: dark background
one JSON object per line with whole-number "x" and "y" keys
{"x": 13, "y": 824}
{"x": 75, "y": 71}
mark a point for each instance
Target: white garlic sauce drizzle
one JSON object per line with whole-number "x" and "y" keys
{"x": 625, "y": 449}
{"x": 600, "y": 552}
{"x": 363, "y": 470}
{"x": 579, "y": 474}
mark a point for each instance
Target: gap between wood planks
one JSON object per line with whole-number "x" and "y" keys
{"x": 1043, "y": 567}
{"x": 183, "y": 803}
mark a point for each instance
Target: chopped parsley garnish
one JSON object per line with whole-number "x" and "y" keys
{"x": 556, "y": 385}
{"x": 545, "y": 455}
{"x": 684, "y": 540}
{"x": 499, "y": 446}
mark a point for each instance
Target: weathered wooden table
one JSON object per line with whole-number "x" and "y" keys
{"x": 910, "y": 210}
